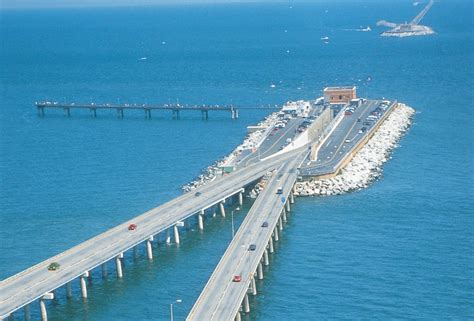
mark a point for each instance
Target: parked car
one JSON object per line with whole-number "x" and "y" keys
{"x": 54, "y": 266}
{"x": 132, "y": 227}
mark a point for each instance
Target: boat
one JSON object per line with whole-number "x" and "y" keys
{"x": 325, "y": 38}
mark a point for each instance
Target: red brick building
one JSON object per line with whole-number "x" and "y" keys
{"x": 338, "y": 95}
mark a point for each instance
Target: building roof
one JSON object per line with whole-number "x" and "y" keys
{"x": 340, "y": 88}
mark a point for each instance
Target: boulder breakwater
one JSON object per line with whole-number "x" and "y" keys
{"x": 251, "y": 141}
{"x": 366, "y": 165}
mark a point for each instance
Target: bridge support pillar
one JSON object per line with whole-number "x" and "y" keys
{"x": 270, "y": 245}
{"x": 237, "y": 317}
{"x": 26, "y": 312}
{"x": 135, "y": 252}
{"x": 149, "y": 248}
{"x": 201, "y": 220}
{"x": 118, "y": 263}
{"x": 168, "y": 236}
{"x": 284, "y": 215}
{"x": 292, "y": 198}
{"x": 246, "y": 303}
{"x": 67, "y": 111}
{"x": 280, "y": 224}
{"x": 68, "y": 290}
{"x": 214, "y": 211}
{"x": 259, "y": 271}
{"x": 83, "y": 284}
{"x": 176, "y": 234}
{"x": 275, "y": 234}
{"x": 44, "y": 313}
{"x": 266, "y": 261}
{"x": 241, "y": 198}
{"x": 221, "y": 207}
{"x": 254, "y": 286}
{"x": 104, "y": 270}
{"x": 288, "y": 208}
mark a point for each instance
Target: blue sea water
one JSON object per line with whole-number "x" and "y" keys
{"x": 401, "y": 249}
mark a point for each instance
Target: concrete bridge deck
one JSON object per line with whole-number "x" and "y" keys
{"x": 222, "y": 297}
{"x": 344, "y": 140}
{"x": 32, "y": 284}
{"x": 147, "y": 108}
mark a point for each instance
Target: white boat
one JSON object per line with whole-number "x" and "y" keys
{"x": 142, "y": 58}
{"x": 325, "y": 38}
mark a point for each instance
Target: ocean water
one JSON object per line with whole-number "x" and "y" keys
{"x": 401, "y": 249}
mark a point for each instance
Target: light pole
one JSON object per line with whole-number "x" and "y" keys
{"x": 171, "y": 308}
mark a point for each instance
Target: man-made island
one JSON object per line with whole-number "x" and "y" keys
{"x": 412, "y": 28}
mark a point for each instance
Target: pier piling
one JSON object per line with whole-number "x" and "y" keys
{"x": 118, "y": 263}
{"x": 84, "y": 285}
{"x": 260, "y": 271}
{"x": 176, "y": 234}
{"x": 149, "y": 248}
{"x": 266, "y": 262}
{"x": 201, "y": 220}
{"x": 68, "y": 290}
{"x": 104, "y": 270}
{"x": 221, "y": 207}
{"x": 27, "y": 312}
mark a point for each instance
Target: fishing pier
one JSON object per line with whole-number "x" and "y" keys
{"x": 147, "y": 109}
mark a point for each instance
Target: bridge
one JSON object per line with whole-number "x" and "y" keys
{"x": 38, "y": 283}
{"x": 146, "y": 108}
{"x": 224, "y": 297}
{"x": 422, "y": 13}
{"x": 408, "y": 29}
{"x": 228, "y": 287}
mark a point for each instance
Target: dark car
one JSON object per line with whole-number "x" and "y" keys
{"x": 197, "y": 194}
{"x": 265, "y": 224}
{"x": 252, "y": 247}
{"x": 132, "y": 227}
{"x": 54, "y": 266}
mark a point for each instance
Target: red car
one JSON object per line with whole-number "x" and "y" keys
{"x": 132, "y": 227}
{"x": 237, "y": 278}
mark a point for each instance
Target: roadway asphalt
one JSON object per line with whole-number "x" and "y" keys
{"x": 31, "y": 284}
{"x": 221, "y": 297}
{"x": 274, "y": 141}
{"x": 341, "y": 141}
